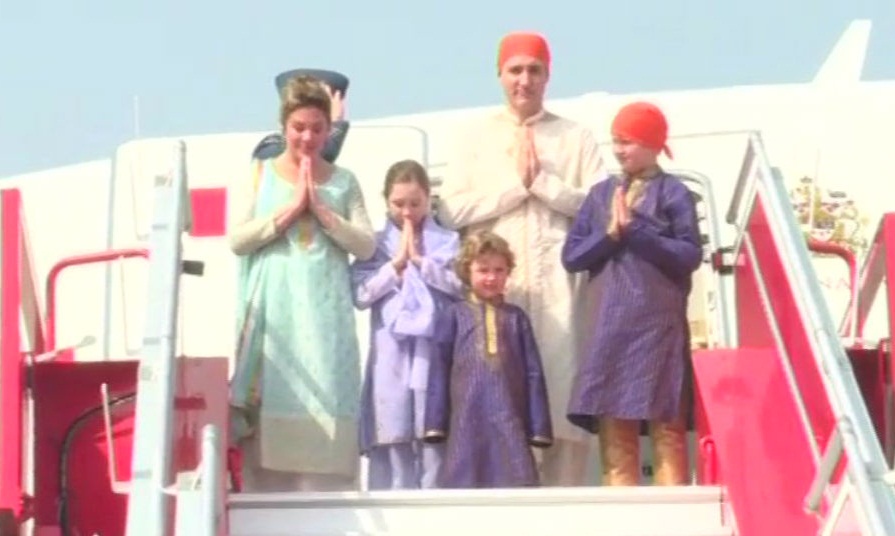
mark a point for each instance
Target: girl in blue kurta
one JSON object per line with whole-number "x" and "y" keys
{"x": 487, "y": 395}
{"x": 293, "y": 222}
{"x": 407, "y": 284}
{"x": 637, "y": 236}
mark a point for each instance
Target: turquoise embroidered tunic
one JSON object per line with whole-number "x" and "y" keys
{"x": 298, "y": 361}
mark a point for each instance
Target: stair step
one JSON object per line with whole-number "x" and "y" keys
{"x": 502, "y": 529}
{"x": 598, "y": 511}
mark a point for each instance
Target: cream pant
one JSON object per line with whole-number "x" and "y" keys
{"x": 256, "y": 479}
{"x": 564, "y": 463}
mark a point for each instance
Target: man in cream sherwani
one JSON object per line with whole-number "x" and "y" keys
{"x": 523, "y": 173}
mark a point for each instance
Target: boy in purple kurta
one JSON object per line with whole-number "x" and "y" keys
{"x": 487, "y": 397}
{"x": 638, "y": 238}
{"x": 406, "y": 284}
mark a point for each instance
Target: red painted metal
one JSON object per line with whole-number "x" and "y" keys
{"x": 762, "y": 448}
{"x": 887, "y": 240}
{"x": 63, "y": 391}
{"x": 234, "y": 467}
{"x": 887, "y": 371}
{"x": 710, "y": 463}
{"x": 706, "y": 463}
{"x": 880, "y": 259}
{"x": 792, "y": 329}
{"x": 209, "y": 212}
{"x": 766, "y": 475}
{"x": 869, "y": 368}
{"x": 11, "y": 372}
{"x": 872, "y": 366}
{"x": 66, "y": 390}
{"x": 78, "y": 260}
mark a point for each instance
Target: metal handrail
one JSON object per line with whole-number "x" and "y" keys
{"x": 866, "y": 464}
{"x": 78, "y": 260}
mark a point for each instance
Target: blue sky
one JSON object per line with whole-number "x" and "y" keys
{"x": 69, "y": 69}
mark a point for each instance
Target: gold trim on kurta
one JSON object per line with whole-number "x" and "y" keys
{"x": 490, "y": 330}
{"x": 633, "y": 187}
{"x": 487, "y": 320}
{"x": 637, "y": 185}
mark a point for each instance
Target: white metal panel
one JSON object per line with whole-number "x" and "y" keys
{"x": 631, "y": 511}
{"x": 65, "y": 215}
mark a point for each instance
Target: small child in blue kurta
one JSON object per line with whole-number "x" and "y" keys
{"x": 487, "y": 397}
{"x": 637, "y": 236}
{"x": 407, "y": 284}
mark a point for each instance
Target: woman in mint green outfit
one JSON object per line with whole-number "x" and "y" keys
{"x": 294, "y": 221}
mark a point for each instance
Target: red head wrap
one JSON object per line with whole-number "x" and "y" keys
{"x": 523, "y": 44}
{"x": 643, "y": 123}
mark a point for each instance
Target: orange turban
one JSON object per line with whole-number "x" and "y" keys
{"x": 523, "y": 44}
{"x": 643, "y": 123}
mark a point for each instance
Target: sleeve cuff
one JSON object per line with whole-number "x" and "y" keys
{"x": 434, "y": 436}
{"x": 540, "y": 441}
{"x": 349, "y": 238}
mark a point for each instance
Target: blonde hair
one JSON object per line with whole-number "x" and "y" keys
{"x": 304, "y": 91}
{"x": 478, "y": 244}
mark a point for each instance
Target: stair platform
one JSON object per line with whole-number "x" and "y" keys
{"x": 594, "y": 511}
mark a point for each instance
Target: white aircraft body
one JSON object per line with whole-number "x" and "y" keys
{"x": 833, "y": 130}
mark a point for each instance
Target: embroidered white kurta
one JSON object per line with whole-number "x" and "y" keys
{"x": 482, "y": 189}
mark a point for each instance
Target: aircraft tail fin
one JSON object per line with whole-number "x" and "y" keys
{"x": 845, "y": 63}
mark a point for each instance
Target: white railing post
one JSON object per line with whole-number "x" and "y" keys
{"x": 211, "y": 486}
{"x": 148, "y": 504}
